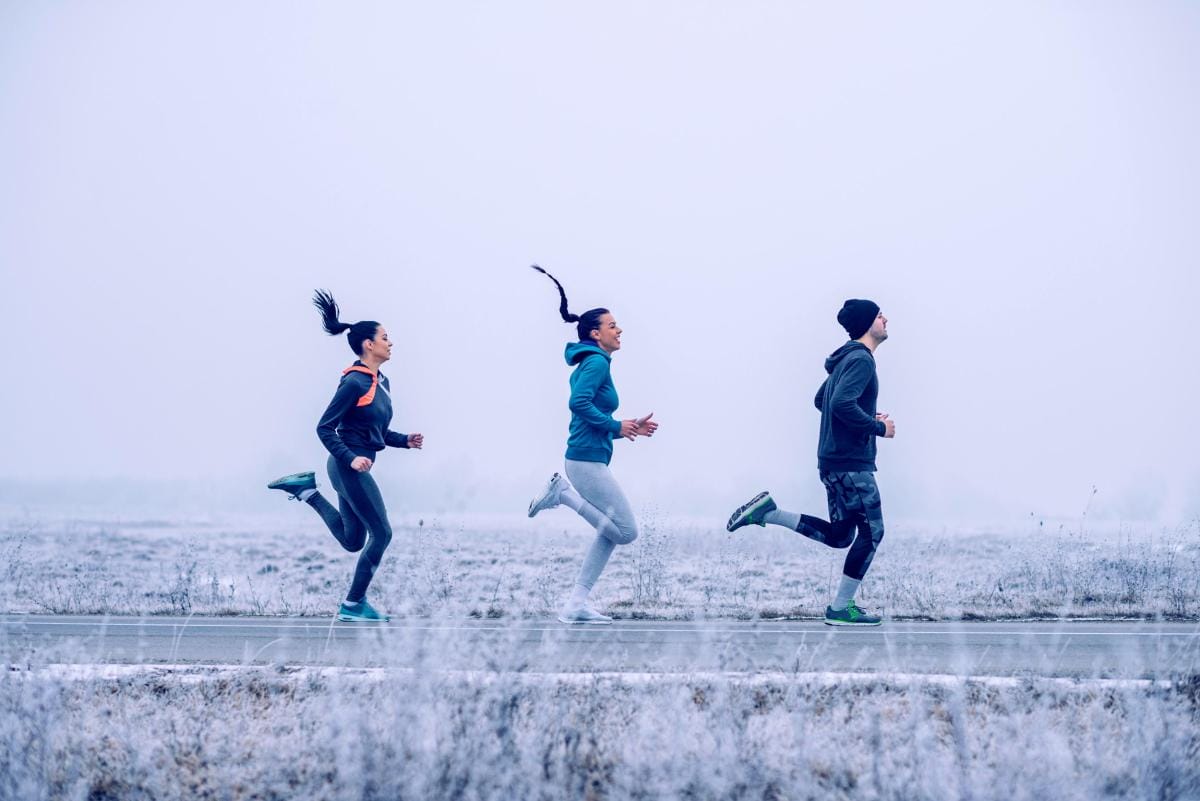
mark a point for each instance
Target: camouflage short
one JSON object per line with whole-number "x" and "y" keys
{"x": 854, "y": 506}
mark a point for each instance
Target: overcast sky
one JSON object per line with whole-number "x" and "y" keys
{"x": 1016, "y": 185}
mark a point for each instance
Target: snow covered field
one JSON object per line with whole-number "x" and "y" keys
{"x": 288, "y": 564}
{"x": 183, "y": 733}
{"x": 117, "y": 732}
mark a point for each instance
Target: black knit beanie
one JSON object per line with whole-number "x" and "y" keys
{"x": 857, "y": 315}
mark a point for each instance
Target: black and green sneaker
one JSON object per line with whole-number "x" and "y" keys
{"x": 361, "y": 612}
{"x": 294, "y": 484}
{"x": 850, "y": 616}
{"x": 752, "y": 511}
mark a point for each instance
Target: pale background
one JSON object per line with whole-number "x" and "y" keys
{"x": 1015, "y": 185}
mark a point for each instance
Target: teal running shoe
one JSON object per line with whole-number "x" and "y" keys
{"x": 752, "y": 511}
{"x": 361, "y": 612}
{"x": 294, "y": 484}
{"x": 850, "y": 616}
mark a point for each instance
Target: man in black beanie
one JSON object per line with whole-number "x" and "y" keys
{"x": 846, "y": 461}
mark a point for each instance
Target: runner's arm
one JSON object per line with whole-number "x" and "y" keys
{"x": 844, "y": 403}
{"x": 345, "y": 399}
{"x": 592, "y": 374}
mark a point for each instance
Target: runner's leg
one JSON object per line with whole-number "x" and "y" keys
{"x": 601, "y": 502}
{"x": 346, "y": 526}
{"x": 362, "y": 495}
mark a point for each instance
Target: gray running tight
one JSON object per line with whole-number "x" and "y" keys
{"x": 362, "y": 511}
{"x": 606, "y": 508}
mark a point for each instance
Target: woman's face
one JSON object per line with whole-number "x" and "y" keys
{"x": 608, "y": 335}
{"x": 380, "y": 347}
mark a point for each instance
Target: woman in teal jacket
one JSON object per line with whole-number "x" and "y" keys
{"x": 589, "y": 486}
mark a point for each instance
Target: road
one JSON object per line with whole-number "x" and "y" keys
{"x": 1044, "y": 648}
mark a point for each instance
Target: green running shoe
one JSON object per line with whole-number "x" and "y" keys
{"x": 752, "y": 511}
{"x": 361, "y": 612}
{"x": 850, "y": 616}
{"x": 294, "y": 484}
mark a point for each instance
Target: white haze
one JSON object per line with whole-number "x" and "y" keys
{"x": 1015, "y": 184}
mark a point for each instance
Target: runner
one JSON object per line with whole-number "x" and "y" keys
{"x": 846, "y": 460}
{"x": 354, "y": 429}
{"x": 589, "y": 487}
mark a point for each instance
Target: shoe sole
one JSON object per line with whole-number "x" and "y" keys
{"x": 732, "y": 525}
{"x": 535, "y": 504}
{"x": 282, "y": 483}
{"x": 849, "y": 624}
{"x": 571, "y": 622}
{"x": 349, "y": 619}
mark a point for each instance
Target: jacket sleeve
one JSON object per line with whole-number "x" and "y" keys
{"x": 592, "y": 375}
{"x": 819, "y": 400}
{"x": 345, "y": 399}
{"x": 844, "y": 403}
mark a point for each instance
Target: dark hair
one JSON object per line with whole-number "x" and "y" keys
{"x": 363, "y": 329}
{"x": 588, "y": 322}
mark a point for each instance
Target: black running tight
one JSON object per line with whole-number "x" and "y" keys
{"x": 362, "y": 520}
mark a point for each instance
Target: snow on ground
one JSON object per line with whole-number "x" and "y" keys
{"x": 180, "y": 733}
{"x": 116, "y": 732}
{"x": 516, "y": 568}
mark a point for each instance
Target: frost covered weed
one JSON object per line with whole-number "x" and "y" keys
{"x": 328, "y": 734}
{"x": 674, "y": 570}
{"x": 648, "y": 575}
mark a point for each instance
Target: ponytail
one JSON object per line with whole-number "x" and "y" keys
{"x": 328, "y": 308}
{"x": 360, "y": 331}
{"x": 588, "y": 322}
{"x": 562, "y": 307}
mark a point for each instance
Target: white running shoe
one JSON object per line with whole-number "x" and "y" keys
{"x": 584, "y": 615}
{"x": 549, "y": 497}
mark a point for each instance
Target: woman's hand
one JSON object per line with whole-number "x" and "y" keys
{"x": 416, "y": 441}
{"x": 629, "y": 429}
{"x": 645, "y": 427}
{"x": 361, "y": 463}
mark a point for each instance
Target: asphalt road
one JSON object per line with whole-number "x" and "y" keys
{"x": 1044, "y": 648}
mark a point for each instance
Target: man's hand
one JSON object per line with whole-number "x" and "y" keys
{"x": 889, "y": 428}
{"x": 629, "y": 429}
{"x": 416, "y": 441}
{"x": 361, "y": 463}
{"x": 645, "y": 426}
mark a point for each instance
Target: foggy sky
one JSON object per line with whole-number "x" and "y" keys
{"x": 1015, "y": 185}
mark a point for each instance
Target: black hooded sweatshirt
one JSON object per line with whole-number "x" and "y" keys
{"x": 847, "y": 403}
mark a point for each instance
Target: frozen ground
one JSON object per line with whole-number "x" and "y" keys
{"x": 118, "y": 732}
{"x": 515, "y": 568}
{"x": 183, "y": 733}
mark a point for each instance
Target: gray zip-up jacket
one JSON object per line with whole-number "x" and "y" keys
{"x": 847, "y": 403}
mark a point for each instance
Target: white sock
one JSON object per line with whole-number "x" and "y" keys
{"x": 778, "y": 517}
{"x": 569, "y": 497}
{"x": 348, "y": 602}
{"x": 845, "y": 593}
{"x": 579, "y": 597}
{"x": 304, "y": 495}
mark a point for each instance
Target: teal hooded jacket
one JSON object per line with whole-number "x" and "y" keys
{"x": 593, "y": 401}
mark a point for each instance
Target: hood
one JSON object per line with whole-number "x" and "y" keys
{"x": 841, "y": 353}
{"x": 576, "y": 351}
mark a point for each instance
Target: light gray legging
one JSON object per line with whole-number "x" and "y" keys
{"x": 607, "y": 509}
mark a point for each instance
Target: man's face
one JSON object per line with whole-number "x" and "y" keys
{"x": 879, "y": 328}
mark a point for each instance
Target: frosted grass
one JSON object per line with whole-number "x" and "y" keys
{"x": 87, "y": 731}
{"x": 182, "y": 733}
{"x": 500, "y": 568}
